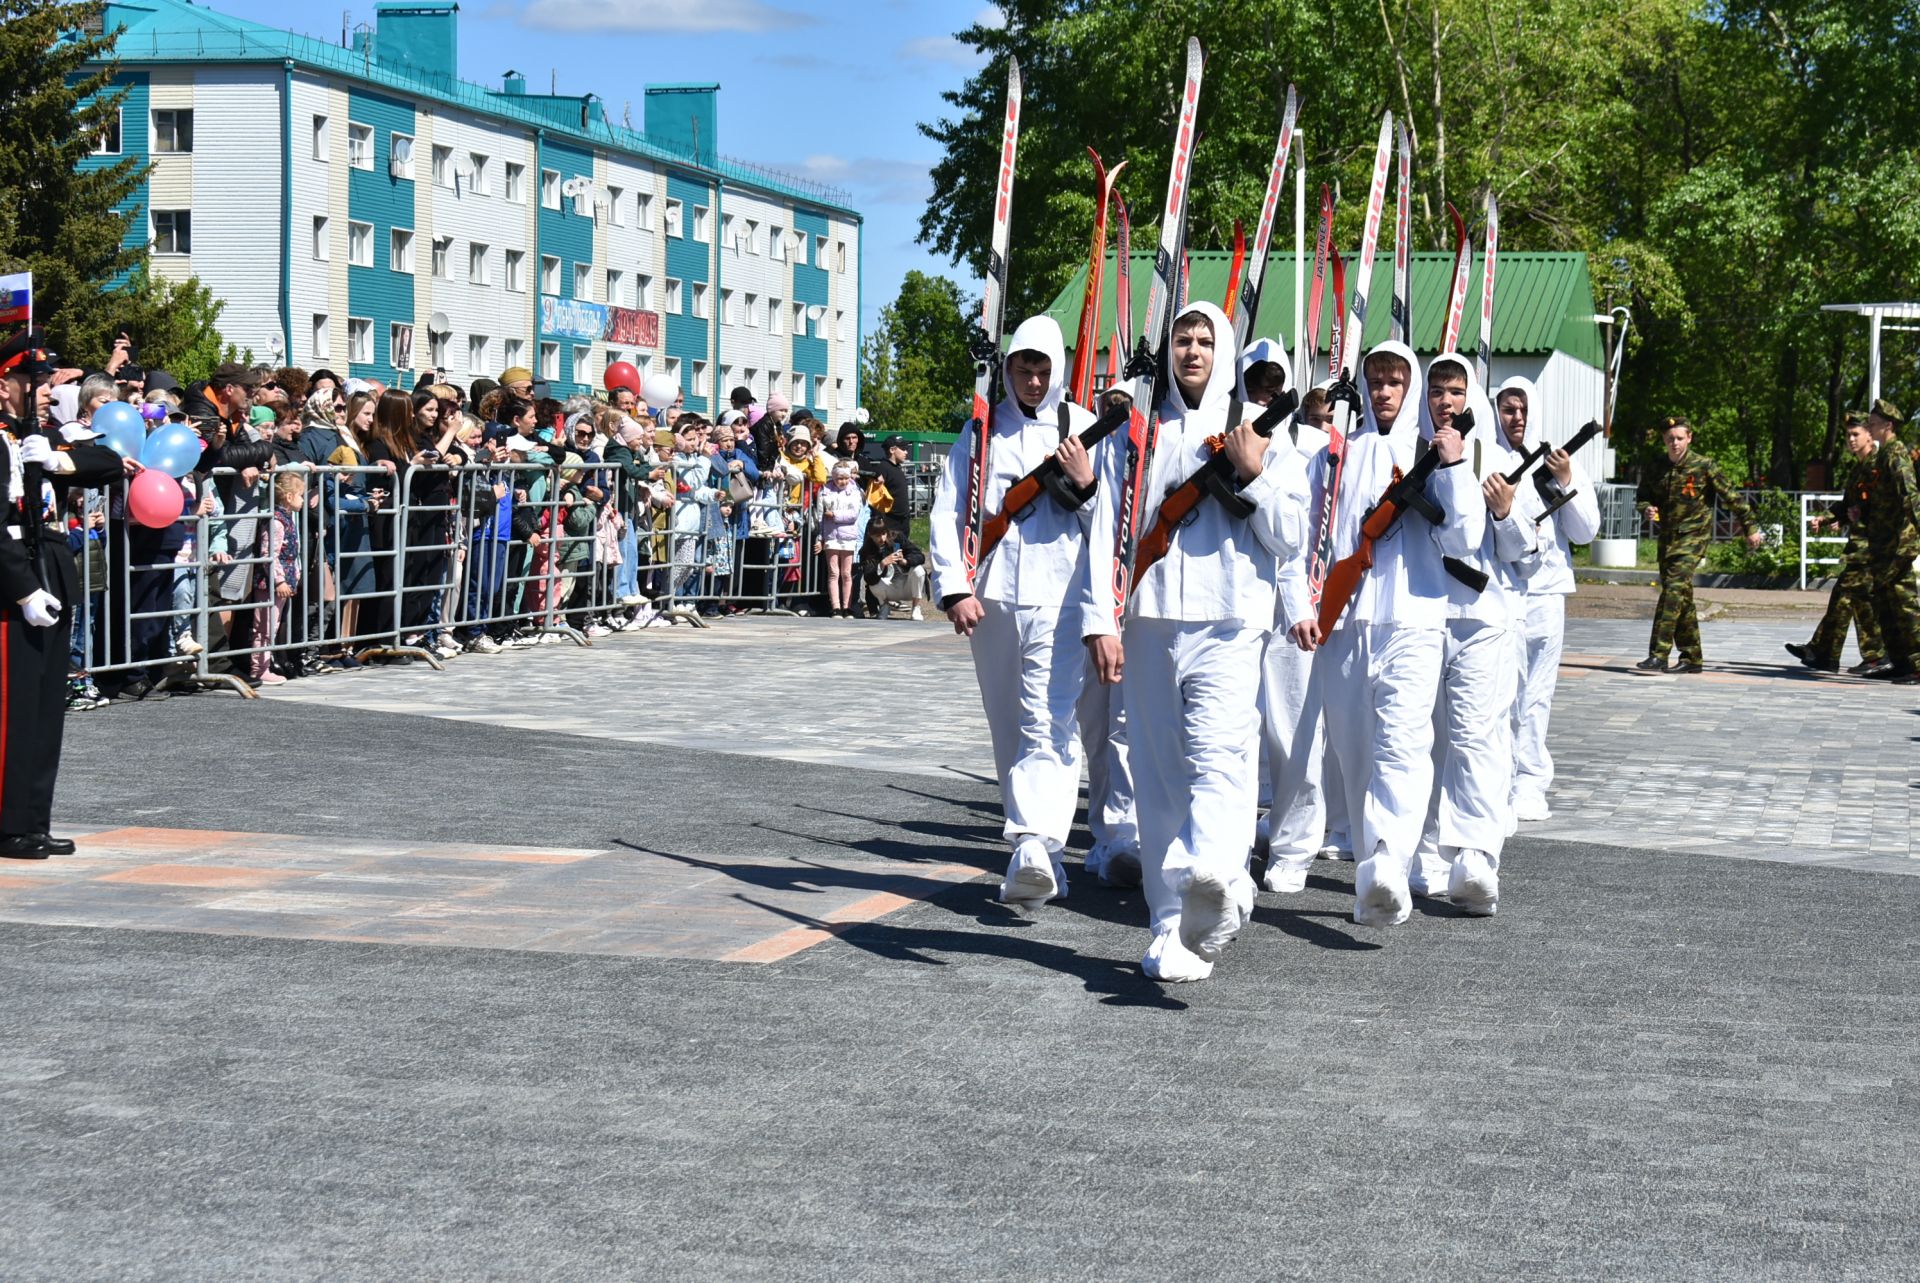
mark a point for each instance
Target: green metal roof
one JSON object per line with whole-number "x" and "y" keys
{"x": 1541, "y": 302}
{"x": 172, "y": 31}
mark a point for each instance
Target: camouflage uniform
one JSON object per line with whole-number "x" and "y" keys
{"x": 1893, "y": 541}
{"x": 1852, "y": 599}
{"x": 1684, "y": 493}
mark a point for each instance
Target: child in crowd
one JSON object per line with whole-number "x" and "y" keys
{"x": 837, "y": 513}
{"x": 693, "y": 495}
{"x": 282, "y": 578}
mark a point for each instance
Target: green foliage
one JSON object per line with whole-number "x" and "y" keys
{"x": 916, "y": 374}
{"x": 1728, "y": 167}
{"x": 1778, "y": 515}
{"x": 59, "y": 220}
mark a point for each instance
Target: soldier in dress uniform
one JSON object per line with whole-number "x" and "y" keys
{"x": 1679, "y": 495}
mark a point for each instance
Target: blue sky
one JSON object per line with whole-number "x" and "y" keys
{"x": 826, "y": 89}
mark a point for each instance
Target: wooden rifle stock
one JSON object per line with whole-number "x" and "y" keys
{"x": 1209, "y": 476}
{"x": 1022, "y": 493}
{"x": 1344, "y": 578}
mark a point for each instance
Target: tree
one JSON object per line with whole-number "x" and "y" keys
{"x": 64, "y": 216}
{"x": 916, "y": 374}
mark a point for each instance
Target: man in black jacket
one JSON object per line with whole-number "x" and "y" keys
{"x": 39, "y": 582}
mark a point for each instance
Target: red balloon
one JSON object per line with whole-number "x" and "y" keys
{"x": 154, "y": 499}
{"x": 621, "y": 374}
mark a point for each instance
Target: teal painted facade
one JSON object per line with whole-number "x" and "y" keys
{"x": 567, "y": 236}
{"x": 374, "y": 196}
{"x": 810, "y": 286}
{"x": 134, "y": 140}
{"x": 689, "y": 337}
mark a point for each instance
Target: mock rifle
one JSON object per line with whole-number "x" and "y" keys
{"x": 1048, "y": 478}
{"x": 1214, "y": 477}
{"x": 1549, "y": 486}
{"x": 1408, "y": 491}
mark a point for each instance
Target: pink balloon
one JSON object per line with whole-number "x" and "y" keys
{"x": 621, "y": 374}
{"x": 154, "y": 499}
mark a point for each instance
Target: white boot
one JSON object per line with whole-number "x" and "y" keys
{"x": 1380, "y": 894}
{"x": 1170, "y": 962}
{"x": 1121, "y": 869}
{"x": 1531, "y": 808}
{"x": 1285, "y": 877}
{"x": 1212, "y": 911}
{"x": 1029, "y": 882}
{"x": 1474, "y": 885}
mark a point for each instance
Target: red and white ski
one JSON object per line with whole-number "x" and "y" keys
{"x": 1347, "y": 358}
{"x": 1244, "y": 300}
{"x": 993, "y": 319}
{"x": 1231, "y": 302}
{"x": 1086, "y": 346}
{"x": 1122, "y": 295}
{"x": 1489, "y": 256}
{"x": 1148, "y": 368}
{"x": 1322, "y": 248}
{"x": 1402, "y": 228}
{"x": 1457, "y": 294}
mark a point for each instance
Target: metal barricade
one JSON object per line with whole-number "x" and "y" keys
{"x": 1808, "y": 502}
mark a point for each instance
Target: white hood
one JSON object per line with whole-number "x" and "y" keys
{"x": 1525, "y": 387}
{"x": 1042, "y": 334}
{"x": 1263, "y": 350}
{"x": 1226, "y": 367}
{"x": 1485, "y": 444}
{"x": 1416, "y": 390}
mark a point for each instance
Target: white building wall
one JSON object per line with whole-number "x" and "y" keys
{"x": 170, "y": 186}
{"x": 475, "y": 209}
{"x": 622, "y": 243}
{"x": 843, "y": 354}
{"x": 310, "y": 280}
{"x": 748, "y": 267}
{"x": 236, "y": 221}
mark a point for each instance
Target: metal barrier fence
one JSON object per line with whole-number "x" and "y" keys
{"x": 365, "y": 563}
{"x": 1809, "y": 502}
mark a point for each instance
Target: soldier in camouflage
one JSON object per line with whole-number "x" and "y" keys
{"x": 1680, "y": 496}
{"x": 1852, "y": 599}
{"x": 1893, "y": 541}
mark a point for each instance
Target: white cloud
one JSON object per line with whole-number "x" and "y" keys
{"x": 874, "y": 181}
{"x": 990, "y": 17}
{"x": 660, "y": 16}
{"x": 943, "y": 49}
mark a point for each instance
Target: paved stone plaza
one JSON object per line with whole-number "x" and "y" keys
{"x": 677, "y": 957}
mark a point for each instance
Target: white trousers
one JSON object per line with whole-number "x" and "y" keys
{"x": 1540, "y": 641}
{"x": 1193, "y": 736}
{"x": 1031, "y": 664}
{"x": 1295, "y": 741}
{"x": 1103, "y": 741}
{"x": 906, "y": 587}
{"x": 1472, "y": 749}
{"x": 1381, "y": 682}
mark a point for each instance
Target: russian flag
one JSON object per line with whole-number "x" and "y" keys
{"x": 16, "y": 299}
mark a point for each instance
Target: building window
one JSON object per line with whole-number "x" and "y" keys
{"x": 108, "y": 143}
{"x": 476, "y": 354}
{"x": 517, "y": 270}
{"x": 747, "y": 378}
{"x": 172, "y": 231}
{"x": 726, "y": 378}
{"x": 583, "y": 198}
{"x": 512, "y": 352}
{"x": 400, "y": 345}
{"x": 643, "y": 296}
{"x": 516, "y": 183}
{"x": 360, "y": 145}
{"x": 820, "y": 252}
{"x": 800, "y": 320}
{"x": 322, "y": 338}
{"x": 776, "y": 242}
{"x": 400, "y": 251}
{"x": 840, "y": 256}
{"x": 774, "y": 381}
{"x": 643, "y": 212}
{"x": 700, "y": 307}
{"x": 616, "y": 201}
{"x": 841, "y": 330}
{"x": 400, "y": 162}
{"x": 753, "y": 311}
{"x": 173, "y": 131}
{"x": 776, "y": 316}
{"x": 477, "y": 162}
{"x": 582, "y": 373}
{"x": 442, "y": 251}
{"x": 583, "y": 281}
{"x": 550, "y": 361}
{"x": 616, "y": 287}
{"x": 728, "y": 315}
{"x": 550, "y": 189}
{"x": 727, "y": 235}
{"x": 443, "y": 166}
{"x": 479, "y": 270}
{"x": 753, "y": 237}
{"x": 798, "y": 395}
{"x": 549, "y": 274}
{"x": 674, "y": 304}
{"x": 320, "y": 139}
{"x": 359, "y": 340}
{"x": 819, "y": 392}
{"x": 673, "y": 368}
{"x": 360, "y": 244}
{"x": 702, "y": 224}
{"x": 673, "y": 217}
{"x": 700, "y": 378}
{"x": 322, "y": 251}
{"x": 437, "y": 350}
{"x": 840, "y": 401}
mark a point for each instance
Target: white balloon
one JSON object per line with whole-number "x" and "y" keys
{"x": 659, "y": 391}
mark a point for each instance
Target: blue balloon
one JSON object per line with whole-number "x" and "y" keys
{"x": 174, "y": 450}
{"x": 121, "y": 427}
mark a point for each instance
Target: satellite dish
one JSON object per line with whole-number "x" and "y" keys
{"x": 439, "y": 324}
{"x": 817, "y": 312}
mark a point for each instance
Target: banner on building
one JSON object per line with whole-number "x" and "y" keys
{"x": 629, "y": 327}
{"x": 570, "y": 318}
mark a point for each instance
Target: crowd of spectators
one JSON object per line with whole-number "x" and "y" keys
{"x": 347, "y": 522}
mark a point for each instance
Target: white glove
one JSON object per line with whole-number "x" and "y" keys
{"x": 35, "y": 448}
{"x": 41, "y": 608}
